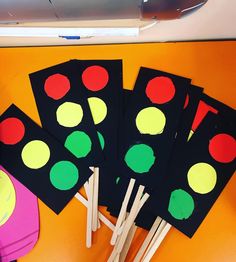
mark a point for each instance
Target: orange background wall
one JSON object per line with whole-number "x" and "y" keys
{"x": 211, "y": 65}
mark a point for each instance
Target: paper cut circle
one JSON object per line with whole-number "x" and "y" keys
{"x": 64, "y": 175}
{"x": 98, "y": 109}
{"x": 7, "y": 198}
{"x": 222, "y": 148}
{"x": 57, "y": 86}
{"x": 69, "y": 114}
{"x": 181, "y": 204}
{"x": 202, "y": 178}
{"x": 101, "y": 140}
{"x": 151, "y": 121}
{"x": 35, "y": 154}
{"x": 186, "y": 102}
{"x": 12, "y": 131}
{"x": 95, "y": 78}
{"x": 140, "y": 158}
{"x": 160, "y": 90}
{"x": 79, "y": 144}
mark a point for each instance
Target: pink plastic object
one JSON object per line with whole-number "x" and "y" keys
{"x": 19, "y": 234}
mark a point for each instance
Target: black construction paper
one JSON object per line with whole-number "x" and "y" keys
{"x": 110, "y": 175}
{"x": 161, "y": 144}
{"x": 209, "y": 104}
{"x": 102, "y": 81}
{"x": 38, "y": 179}
{"x": 196, "y": 151}
{"x": 49, "y": 102}
{"x": 193, "y": 97}
{"x": 110, "y": 93}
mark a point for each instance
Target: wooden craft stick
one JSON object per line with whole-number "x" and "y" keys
{"x": 89, "y": 214}
{"x": 128, "y": 242}
{"x": 142, "y": 202}
{"x": 128, "y": 223}
{"x": 106, "y": 221}
{"x": 91, "y": 168}
{"x": 98, "y": 221}
{"x": 157, "y": 243}
{"x": 117, "y": 259}
{"x": 86, "y": 188}
{"x": 137, "y": 205}
{"x": 95, "y": 199}
{"x": 122, "y": 211}
{"x": 147, "y": 240}
{"x": 155, "y": 237}
{"x": 121, "y": 227}
{"x": 132, "y": 231}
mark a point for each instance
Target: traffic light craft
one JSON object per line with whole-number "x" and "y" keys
{"x": 64, "y": 111}
{"x": 197, "y": 175}
{"x": 39, "y": 161}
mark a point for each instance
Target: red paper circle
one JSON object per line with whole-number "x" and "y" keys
{"x": 95, "y": 78}
{"x": 56, "y": 86}
{"x": 12, "y": 130}
{"x": 160, "y": 90}
{"x": 222, "y": 148}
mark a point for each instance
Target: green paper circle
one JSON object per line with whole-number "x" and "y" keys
{"x": 79, "y": 144}
{"x": 64, "y": 175}
{"x": 140, "y": 158}
{"x": 101, "y": 140}
{"x": 181, "y": 204}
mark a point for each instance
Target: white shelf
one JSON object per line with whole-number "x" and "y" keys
{"x": 215, "y": 20}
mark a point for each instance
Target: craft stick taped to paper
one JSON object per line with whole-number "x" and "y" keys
{"x": 95, "y": 199}
{"x": 89, "y": 212}
{"x": 157, "y": 243}
{"x": 204, "y": 166}
{"x": 128, "y": 243}
{"x": 131, "y": 217}
{"x": 39, "y": 161}
{"x": 102, "y": 82}
{"x": 150, "y": 124}
{"x": 207, "y": 105}
{"x": 148, "y": 239}
{"x": 19, "y": 218}
{"x": 64, "y": 111}
{"x": 154, "y": 239}
{"x": 149, "y": 128}
{"x": 122, "y": 211}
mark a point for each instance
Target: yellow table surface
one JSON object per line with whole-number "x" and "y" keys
{"x": 62, "y": 238}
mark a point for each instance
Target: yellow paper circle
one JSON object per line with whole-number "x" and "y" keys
{"x": 69, "y": 114}
{"x": 98, "y": 109}
{"x": 202, "y": 178}
{"x": 7, "y": 197}
{"x": 151, "y": 121}
{"x": 35, "y": 154}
